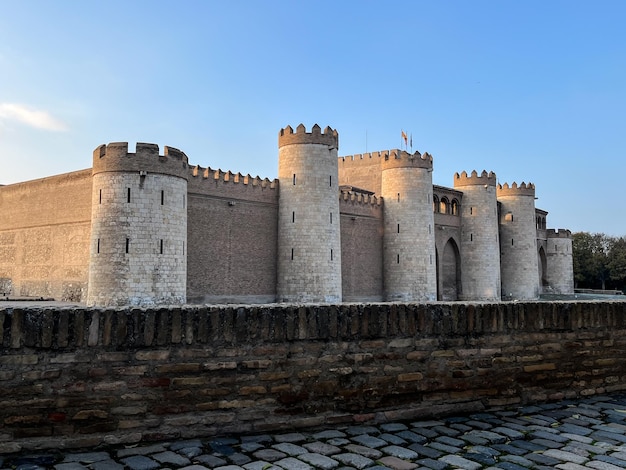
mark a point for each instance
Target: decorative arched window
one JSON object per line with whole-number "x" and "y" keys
{"x": 444, "y": 206}
{"x": 435, "y": 203}
{"x": 454, "y": 207}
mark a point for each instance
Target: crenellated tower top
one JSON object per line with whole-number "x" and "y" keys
{"x": 474, "y": 179}
{"x": 401, "y": 159}
{"x": 116, "y": 157}
{"x": 514, "y": 190}
{"x": 329, "y": 137}
{"x": 559, "y": 233}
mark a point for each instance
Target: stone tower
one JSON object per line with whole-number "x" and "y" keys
{"x": 309, "y": 242}
{"x": 138, "y": 253}
{"x": 409, "y": 269}
{"x": 560, "y": 266}
{"x": 480, "y": 249}
{"x": 518, "y": 242}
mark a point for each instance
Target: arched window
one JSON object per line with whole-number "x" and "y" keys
{"x": 435, "y": 203}
{"x": 454, "y": 207}
{"x": 444, "y": 206}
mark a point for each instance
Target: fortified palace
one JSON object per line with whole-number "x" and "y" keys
{"x": 147, "y": 229}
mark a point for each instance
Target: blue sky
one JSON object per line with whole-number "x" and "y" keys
{"x": 532, "y": 90}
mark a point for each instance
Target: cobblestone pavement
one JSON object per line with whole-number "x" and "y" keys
{"x": 569, "y": 435}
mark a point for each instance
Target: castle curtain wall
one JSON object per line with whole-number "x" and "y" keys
{"x": 232, "y": 223}
{"x": 361, "y": 248}
{"x": 44, "y": 237}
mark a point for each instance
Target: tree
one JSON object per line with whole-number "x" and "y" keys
{"x": 591, "y": 259}
{"x": 617, "y": 262}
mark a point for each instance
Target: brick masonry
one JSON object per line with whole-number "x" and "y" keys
{"x": 82, "y": 377}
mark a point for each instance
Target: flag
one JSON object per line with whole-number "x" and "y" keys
{"x": 404, "y": 137}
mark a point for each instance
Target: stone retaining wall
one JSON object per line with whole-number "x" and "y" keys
{"x": 82, "y": 377}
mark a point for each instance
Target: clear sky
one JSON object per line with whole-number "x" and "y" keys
{"x": 532, "y": 90}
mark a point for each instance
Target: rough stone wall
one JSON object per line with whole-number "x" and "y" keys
{"x": 362, "y": 171}
{"x": 232, "y": 237}
{"x": 44, "y": 237}
{"x": 138, "y": 252}
{"x": 361, "y": 248}
{"x": 560, "y": 265}
{"x": 80, "y": 378}
{"x": 480, "y": 260}
{"x": 518, "y": 243}
{"x": 409, "y": 229}
{"x": 309, "y": 237}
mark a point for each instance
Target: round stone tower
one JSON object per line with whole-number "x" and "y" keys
{"x": 409, "y": 270}
{"x": 138, "y": 253}
{"x": 518, "y": 242}
{"x": 480, "y": 249}
{"x": 560, "y": 261}
{"x": 309, "y": 243}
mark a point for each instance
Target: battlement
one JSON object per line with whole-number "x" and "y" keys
{"x": 329, "y": 137}
{"x": 559, "y": 233}
{"x": 514, "y": 190}
{"x": 474, "y": 179}
{"x": 230, "y": 177}
{"x": 396, "y": 158}
{"x": 365, "y": 156}
{"x": 363, "y": 198}
{"x": 115, "y": 157}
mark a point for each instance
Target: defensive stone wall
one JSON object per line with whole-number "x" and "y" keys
{"x": 361, "y": 247}
{"x": 83, "y": 377}
{"x": 44, "y": 237}
{"x": 362, "y": 170}
{"x": 232, "y": 224}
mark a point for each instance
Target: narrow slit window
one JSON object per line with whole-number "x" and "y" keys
{"x": 161, "y": 246}
{"x": 330, "y": 180}
{"x": 294, "y": 179}
{"x": 398, "y": 197}
{"x": 183, "y": 248}
{"x": 398, "y": 228}
{"x": 293, "y": 216}
{"x": 292, "y": 254}
{"x": 127, "y": 194}
{"x": 100, "y": 197}
{"x": 398, "y": 258}
{"x": 471, "y": 210}
{"x": 471, "y": 237}
{"x": 431, "y": 259}
{"x": 331, "y": 254}
{"x": 98, "y": 246}
{"x": 127, "y": 245}
{"x": 511, "y": 242}
{"x": 555, "y": 248}
{"x": 331, "y": 218}
{"x": 162, "y": 197}
{"x": 429, "y": 229}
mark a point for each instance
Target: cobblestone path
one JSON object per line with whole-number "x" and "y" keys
{"x": 569, "y": 435}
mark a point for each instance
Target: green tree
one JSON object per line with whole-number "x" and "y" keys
{"x": 591, "y": 259}
{"x": 617, "y": 262}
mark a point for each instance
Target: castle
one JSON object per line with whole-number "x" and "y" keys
{"x": 140, "y": 228}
